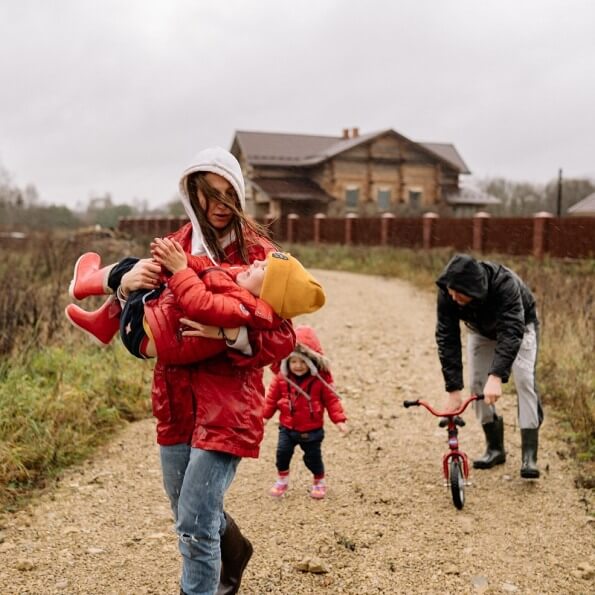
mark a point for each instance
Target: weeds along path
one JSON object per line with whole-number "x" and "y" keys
{"x": 387, "y": 526}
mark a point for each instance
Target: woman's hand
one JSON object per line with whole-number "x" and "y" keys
{"x": 196, "y": 329}
{"x": 170, "y": 254}
{"x": 143, "y": 275}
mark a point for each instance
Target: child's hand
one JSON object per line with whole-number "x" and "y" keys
{"x": 170, "y": 254}
{"x": 343, "y": 428}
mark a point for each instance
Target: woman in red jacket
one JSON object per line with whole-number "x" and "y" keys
{"x": 301, "y": 391}
{"x": 209, "y": 414}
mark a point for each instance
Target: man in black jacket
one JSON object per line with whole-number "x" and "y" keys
{"x": 499, "y": 312}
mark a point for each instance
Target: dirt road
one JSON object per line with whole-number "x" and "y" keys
{"x": 387, "y": 526}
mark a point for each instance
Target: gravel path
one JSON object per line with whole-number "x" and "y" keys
{"x": 387, "y": 525}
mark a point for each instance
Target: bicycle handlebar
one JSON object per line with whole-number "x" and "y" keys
{"x": 433, "y": 411}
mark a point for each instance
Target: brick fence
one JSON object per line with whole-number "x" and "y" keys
{"x": 537, "y": 236}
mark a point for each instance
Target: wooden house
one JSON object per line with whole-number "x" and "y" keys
{"x": 367, "y": 174}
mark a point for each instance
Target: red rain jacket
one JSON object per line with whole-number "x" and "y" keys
{"x": 217, "y": 404}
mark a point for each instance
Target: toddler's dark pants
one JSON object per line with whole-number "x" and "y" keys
{"x": 310, "y": 442}
{"x": 132, "y": 331}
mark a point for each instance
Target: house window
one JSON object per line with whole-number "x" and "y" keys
{"x": 351, "y": 197}
{"x": 383, "y": 199}
{"x": 415, "y": 196}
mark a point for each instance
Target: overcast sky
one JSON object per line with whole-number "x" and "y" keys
{"x": 117, "y": 95}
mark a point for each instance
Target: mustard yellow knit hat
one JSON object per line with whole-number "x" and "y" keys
{"x": 289, "y": 288}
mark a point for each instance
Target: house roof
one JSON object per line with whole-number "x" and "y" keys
{"x": 300, "y": 189}
{"x": 448, "y": 152}
{"x": 586, "y": 206}
{"x": 472, "y": 196}
{"x": 274, "y": 148}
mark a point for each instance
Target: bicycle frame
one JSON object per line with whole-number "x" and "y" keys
{"x": 452, "y": 421}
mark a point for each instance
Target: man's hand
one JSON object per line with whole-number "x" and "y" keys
{"x": 143, "y": 275}
{"x": 170, "y": 254}
{"x": 454, "y": 400}
{"x": 492, "y": 390}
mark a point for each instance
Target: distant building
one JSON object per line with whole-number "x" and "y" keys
{"x": 366, "y": 174}
{"x": 469, "y": 200}
{"x": 584, "y": 208}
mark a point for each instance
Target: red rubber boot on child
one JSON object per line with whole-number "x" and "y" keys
{"x": 102, "y": 324}
{"x": 89, "y": 277}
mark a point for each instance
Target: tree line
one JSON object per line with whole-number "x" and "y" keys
{"x": 21, "y": 208}
{"x": 521, "y": 199}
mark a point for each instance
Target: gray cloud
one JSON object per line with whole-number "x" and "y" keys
{"x": 115, "y": 96}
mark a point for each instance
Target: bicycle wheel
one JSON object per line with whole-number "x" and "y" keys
{"x": 457, "y": 482}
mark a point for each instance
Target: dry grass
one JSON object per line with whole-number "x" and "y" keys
{"x": 60, "y": 396}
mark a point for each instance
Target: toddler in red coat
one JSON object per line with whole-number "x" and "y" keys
{"x": 223, "y": 300}
{"x": 301, "y": 391}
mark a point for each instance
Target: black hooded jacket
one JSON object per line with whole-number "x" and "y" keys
{"x": 501, "y": 307}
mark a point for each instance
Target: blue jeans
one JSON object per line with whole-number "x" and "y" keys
{"x": 174, "y": 460}
{"x": 195, "y": 481}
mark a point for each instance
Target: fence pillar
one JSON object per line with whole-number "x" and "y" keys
{"x": 540, "y": 233}
{"x": 292, "y": 219}
{"x": 428, "y": 226}
{"x": 349, "y": 228}
{"x": 479, "y": 230}
{"x": 317, "y": 219}
{"x": 385, "y": 223}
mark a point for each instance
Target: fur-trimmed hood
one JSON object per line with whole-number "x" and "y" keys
{"x": 309, "y": 348}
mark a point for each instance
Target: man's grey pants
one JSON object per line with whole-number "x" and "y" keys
{"x": 480, "y": 354}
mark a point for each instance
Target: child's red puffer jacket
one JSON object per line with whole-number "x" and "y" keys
{"x": 301, "y": 400}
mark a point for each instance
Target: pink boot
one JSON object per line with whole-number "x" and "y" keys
{"x": 318, "y": 491}
{"x": 102, "y": 324}
{"x": 279, "y": 488}
{"x": 89, "y": 279}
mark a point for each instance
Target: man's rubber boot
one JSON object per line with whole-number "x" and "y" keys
{"x": 236, "y": 552}
{"x": 529, "y": 444}
{"x": 494, "y": 454}
{"x": 102, "y": 324}
{"x": 89, "y": 278}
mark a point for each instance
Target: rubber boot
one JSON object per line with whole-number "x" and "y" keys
{"x": 494, "y": 454}
{"x": 89, "y": 277}
{"x": 102, "y": 324}
{"x": 236, "y": 552}
{"x": 529, "y": 444}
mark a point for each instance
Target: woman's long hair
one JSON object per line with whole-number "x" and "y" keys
{"x": 239, "y": 225}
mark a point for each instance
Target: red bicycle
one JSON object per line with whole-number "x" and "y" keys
{"x": 455, "y": 464}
